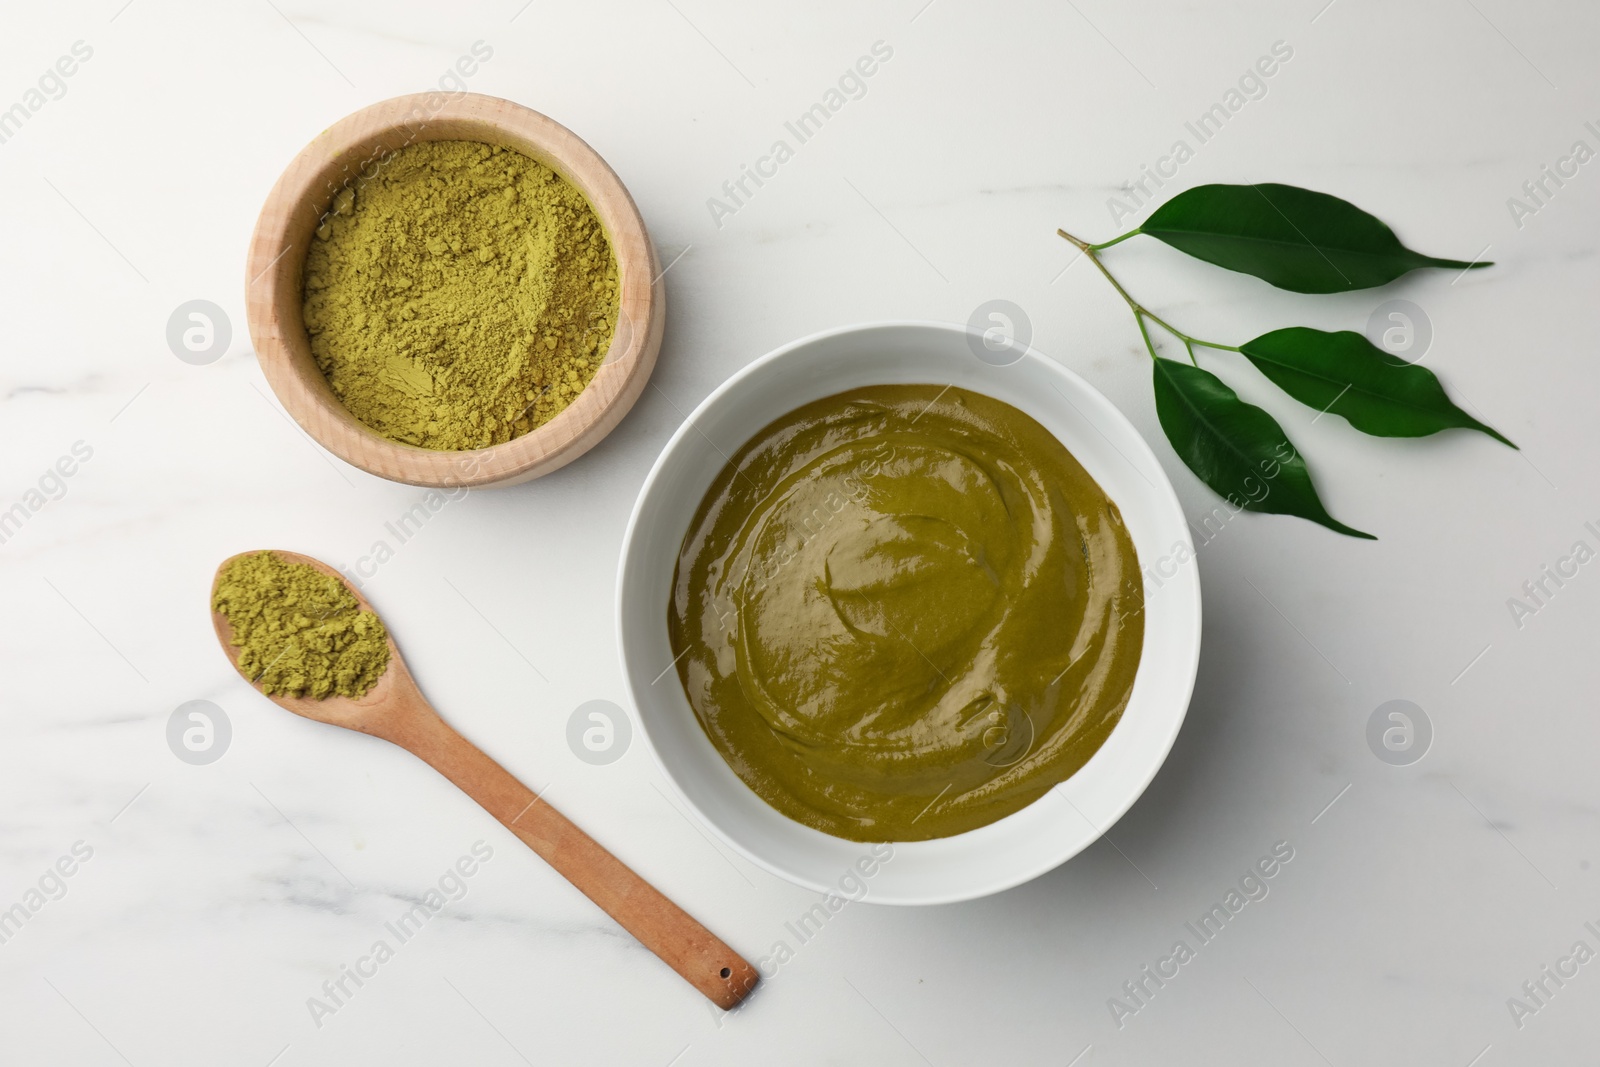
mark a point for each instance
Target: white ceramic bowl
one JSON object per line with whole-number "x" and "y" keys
{"x": 1022, "y": 845}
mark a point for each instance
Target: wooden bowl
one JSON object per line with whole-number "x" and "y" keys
{"x": 353, "y": 150}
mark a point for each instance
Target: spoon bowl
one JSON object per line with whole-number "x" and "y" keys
{"x": 380, "y": 711}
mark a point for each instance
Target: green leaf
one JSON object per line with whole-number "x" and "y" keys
{"x": 1296, "y": 239}
{"x": 1344, "y": 373}
{"x": 1236, "y": 448}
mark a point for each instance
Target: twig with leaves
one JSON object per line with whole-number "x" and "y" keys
{"x": 1305, "y": 242}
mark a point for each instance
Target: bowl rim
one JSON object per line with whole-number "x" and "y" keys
{"x": 343, "y": 155}
{"x": 1049, "y": 860}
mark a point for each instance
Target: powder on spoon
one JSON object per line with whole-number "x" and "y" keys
{"x": 300, "y": 631}
{"x": 461, "y": 297}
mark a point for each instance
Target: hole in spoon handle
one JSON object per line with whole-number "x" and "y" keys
{"x": 737, "y": 979}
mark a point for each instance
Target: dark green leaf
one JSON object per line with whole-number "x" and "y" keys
{"x": 1344, "y": 373}
{"x": 1236, "y": 448}
{"x": 1300, "y": 240}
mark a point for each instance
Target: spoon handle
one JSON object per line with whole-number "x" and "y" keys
{"x": 660, "y": 925}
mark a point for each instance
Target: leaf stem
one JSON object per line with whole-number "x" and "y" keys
{"x": 1140, "y": 312}
{"x": 1115, "y": 240}
{"x": 1149, "y": 344}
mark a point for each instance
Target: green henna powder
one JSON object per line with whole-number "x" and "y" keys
{"x": 462, "y": 296}
{"x": 300, "y": 632}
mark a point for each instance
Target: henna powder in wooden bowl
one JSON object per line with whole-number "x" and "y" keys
{"x": 461, "y": 297}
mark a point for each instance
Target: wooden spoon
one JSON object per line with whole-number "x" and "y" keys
{"x": 395, "y": 710}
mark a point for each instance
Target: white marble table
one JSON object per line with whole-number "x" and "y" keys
{"x": 208, "y": 904}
